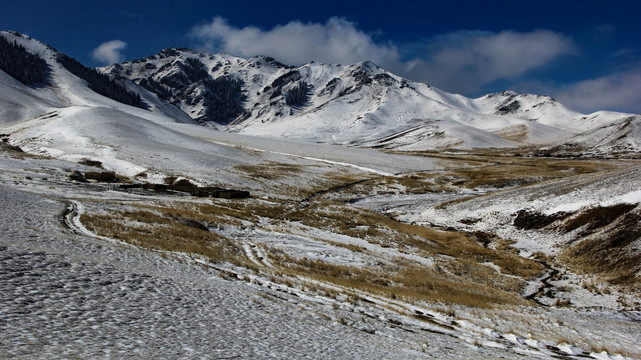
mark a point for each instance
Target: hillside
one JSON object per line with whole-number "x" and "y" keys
{"x": 359, "y": 104}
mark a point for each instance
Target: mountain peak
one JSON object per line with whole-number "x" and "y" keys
{"x": 368, "y": 66}
{"x": 360, "y": 103}
{"x": 350, "y": 104}
{"x": 258, "y": 60}
{"x": 35, "y": 46}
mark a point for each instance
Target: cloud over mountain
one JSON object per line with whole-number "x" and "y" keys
{"x": 617, "y": 91}
{"x": 463, "y": 61}
{"x": 110, "y": 52}
{"x": 336, "y": 41}
{"x": 458, "y": 62}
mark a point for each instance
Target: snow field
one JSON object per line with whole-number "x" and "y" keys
{"x": 70, "y": 295}
{"x": 103, "y": 289}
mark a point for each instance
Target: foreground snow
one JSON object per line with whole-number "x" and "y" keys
{"x": 65, "y": 295}
{"x": 69, "y": 293}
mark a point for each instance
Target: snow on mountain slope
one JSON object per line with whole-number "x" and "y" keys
{"x": 359, "y": 104}
{"x": 440, "y": 134}
{"x": 126, "y": 144}
{"x": 555, "y": 215}
{"x": 64, "y": 118}
{"x": 362, "y": 159}
{"x": 20, "y": 102}
{"x": 179, "y": 77}
{"x": 543, "y": 110}
{"x": 620, "y": 137}
{"x": 136, "y": 147}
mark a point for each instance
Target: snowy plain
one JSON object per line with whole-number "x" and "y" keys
{"x": 68, "y": 294}
{"x": 71, "y": 295}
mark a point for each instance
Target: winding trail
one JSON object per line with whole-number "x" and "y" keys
{"x": 70, "y": 295}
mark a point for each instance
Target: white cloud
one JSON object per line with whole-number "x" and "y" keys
{"x": 110, "y": 52}
{"x": 619, "y": 91}
{"x": 456, "y": 62}
{"x": 463, "y": 61}
{"x": 336, "y": 41}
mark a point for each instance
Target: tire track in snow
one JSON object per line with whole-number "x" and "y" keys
{"x": 256, "y": 255}
{"x": 71, "y": 219}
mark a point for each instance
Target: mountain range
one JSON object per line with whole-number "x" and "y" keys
{"x": 359, "y": 104}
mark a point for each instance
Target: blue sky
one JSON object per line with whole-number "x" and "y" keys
{"x": 586, "y": 54}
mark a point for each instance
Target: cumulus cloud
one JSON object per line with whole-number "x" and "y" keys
{"x": 619, "y": 91}
{"x": 457, "y": 62}
{"x": 336, "y": 41}
{"x": 464, "y": 61}
{"x": 110, "y": 52}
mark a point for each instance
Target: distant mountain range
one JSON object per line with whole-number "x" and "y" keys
{"x": 359, "y": 104}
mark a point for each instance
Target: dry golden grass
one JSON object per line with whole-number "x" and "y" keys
{"x": 17, "y": 153}
{"x": 514, "y": 133}
{"x": 460, "y": 274}
{"x": 522, "y": 171}
{"x": 460, "y": 277}
{"x": 497, "y": 168}
{"x": 342, "y": 179}
{"x": 468, "y": 170}
{"x": 377, "y": 228}
{"x": 407, "y": 281}
{"x": 465, "y": 271}
{"x": 150, "y": 230}
{"x": 270, "y": 170}
{"x": 412, "y": 183}
{"x": 619, "y": 260}
{"x": 311, "y": 180}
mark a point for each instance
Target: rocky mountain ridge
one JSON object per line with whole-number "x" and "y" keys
{"x": 359, "y": 104}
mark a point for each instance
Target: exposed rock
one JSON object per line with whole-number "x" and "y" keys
{"x": 76, "y": 176}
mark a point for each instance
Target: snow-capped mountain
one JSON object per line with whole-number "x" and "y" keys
{"x": 360, "y": 104}
{"x": 63, "y": 88}
{"x": 65, "y": 118}
{"x": 357, "y": 104}
{"x": 619, "y": 137}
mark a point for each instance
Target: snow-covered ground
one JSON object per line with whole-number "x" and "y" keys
{"x": 70, "y": 293}
{"x": 66, "y": 295}
{"x": 495, "y": 212}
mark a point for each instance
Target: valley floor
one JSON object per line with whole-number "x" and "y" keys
{"x": 326, "y": 271}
